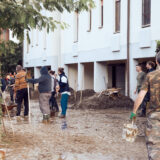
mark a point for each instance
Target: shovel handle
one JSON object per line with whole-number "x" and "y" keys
{"x": 133, "y": 121}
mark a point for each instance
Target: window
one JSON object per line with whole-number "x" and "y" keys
{"x": 89, "y": 20}
{"x": 37, "y": 37}
{"x": 101, "y": 13}
{"x": 27, "y": 47}
{"x": 32, "y": 38}
{"x": 76, "y": 26}
{"x": 146, "y": 12}
{"x": 117, "y": 15}
{"x": 45, "y": 39}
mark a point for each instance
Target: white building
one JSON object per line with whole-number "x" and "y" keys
{"x": 99, "y": 46}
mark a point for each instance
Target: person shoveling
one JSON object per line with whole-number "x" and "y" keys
{"x": 45, "y": 92}
{"x": 151, "y": 84}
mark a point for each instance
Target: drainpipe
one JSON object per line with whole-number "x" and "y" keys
{"x": 23, "y": 54}
{"x": 128, "y": 48}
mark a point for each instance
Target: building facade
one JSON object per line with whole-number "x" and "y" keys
{"x": 101, "y": 47}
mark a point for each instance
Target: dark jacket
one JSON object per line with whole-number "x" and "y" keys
{"x": 44, "y": 81}
{"x": 151, "y": 70}
{"x": 64, "y": 87}
{"x": 3, "y": 84}
{"x": 11, "y": 81}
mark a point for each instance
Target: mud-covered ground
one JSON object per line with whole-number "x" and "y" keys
{"x": 90, "y": 135}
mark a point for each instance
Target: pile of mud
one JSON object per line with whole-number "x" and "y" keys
{"x": 103, "y": 102}
{"x": 80, "y": 95}
{"x": 73, "y": 98}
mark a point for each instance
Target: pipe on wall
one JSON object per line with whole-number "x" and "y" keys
{"x": 128, "y": 48}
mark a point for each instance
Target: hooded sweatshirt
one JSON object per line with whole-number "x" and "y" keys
{"x": 44, "y": 81}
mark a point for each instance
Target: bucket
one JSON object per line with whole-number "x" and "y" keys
{"x": 130, "y": 132}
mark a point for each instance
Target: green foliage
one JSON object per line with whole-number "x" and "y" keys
{"x": 158, "y": 44}
{"x": 10, "y": 56}
{"x": 20, "y": 15}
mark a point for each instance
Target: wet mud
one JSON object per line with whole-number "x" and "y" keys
{"x": 84, "y": 135}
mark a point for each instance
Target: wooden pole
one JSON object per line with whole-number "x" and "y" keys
{"x": 4, "y": 128}
{"x": 81, "y": 96}
{"x": 8, "y": 113}
{"x": 75, "y": 91}
{"x": 29, "y": 106}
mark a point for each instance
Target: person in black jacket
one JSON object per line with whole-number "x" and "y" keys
{"x": 54, "y": 83}
{"x": 64, "y": 90}
{"x": 44, "y": 92}
{"x": 2, "y": 84}
{"x": 11, "y": 82}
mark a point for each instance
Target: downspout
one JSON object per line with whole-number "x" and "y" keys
{"x": 23, "y": 54}
{"x": 128, "y": 48}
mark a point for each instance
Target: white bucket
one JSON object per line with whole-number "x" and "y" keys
{"x": 130, "y": 132}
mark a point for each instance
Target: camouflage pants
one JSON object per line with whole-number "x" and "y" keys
{"x": 153, "y": 136}
{"x": 44, "y": 103}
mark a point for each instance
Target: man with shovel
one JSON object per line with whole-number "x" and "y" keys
{"x": 151, "y": 84}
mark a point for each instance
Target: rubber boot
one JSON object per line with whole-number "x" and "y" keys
{"x": 18, "y": 119}
{"x": 46, "y": 118}
{"x": 26, "y": 118}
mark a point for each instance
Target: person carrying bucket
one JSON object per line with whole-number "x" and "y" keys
{"x": 44, "y": 92}
{"x": 151, "y": 84}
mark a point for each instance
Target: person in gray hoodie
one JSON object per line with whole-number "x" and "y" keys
{"x": 44, "y": 92}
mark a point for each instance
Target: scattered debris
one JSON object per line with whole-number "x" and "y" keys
{"x": 77, "y": 96}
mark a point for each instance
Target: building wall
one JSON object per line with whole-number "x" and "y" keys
{"x": 104, "y": 44}
{"x": 97, "y": 47}
{"x": 98, "y": 44}
{"x": 44, "y": 48}
{"x": 73, "y": 76}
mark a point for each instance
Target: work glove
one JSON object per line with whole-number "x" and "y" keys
{"x": 132, "y": 116}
